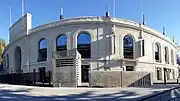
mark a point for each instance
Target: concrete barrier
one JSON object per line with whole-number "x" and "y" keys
{"x": 120, "y": 79}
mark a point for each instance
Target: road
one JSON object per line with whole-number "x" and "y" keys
{"x": 29, "y": 93}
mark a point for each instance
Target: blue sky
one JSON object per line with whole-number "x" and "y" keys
{"x": 158, "y": 13}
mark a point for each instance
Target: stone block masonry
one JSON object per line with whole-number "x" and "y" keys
{"x": 119, "y": 79}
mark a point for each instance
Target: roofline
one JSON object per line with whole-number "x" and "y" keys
{"x": 102, "y": 19}
{"x": 98, "y": 19}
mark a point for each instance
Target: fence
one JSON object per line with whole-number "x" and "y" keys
{"x": 31, "y": 79}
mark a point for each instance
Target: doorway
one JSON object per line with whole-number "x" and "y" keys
{"x": 18, "y": 59}
{"x": 85, "y": 73}
{"x": 42, "y": 74}
{"x": 159, "y": 73}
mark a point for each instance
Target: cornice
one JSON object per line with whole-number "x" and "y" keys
{"x": 100, "y": 19}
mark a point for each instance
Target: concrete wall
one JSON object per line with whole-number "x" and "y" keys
{"x": 20, "y": 28}
{"x": 119, "y": 79}
{"x": 65, "y": 77}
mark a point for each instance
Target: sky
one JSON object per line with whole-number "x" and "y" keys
{"x": 158, "y": 13}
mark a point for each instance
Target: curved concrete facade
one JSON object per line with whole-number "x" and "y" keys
{"x": 106, "y": 45}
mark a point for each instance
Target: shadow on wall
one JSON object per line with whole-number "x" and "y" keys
{"x": 21, "y": 95}
{"x": 102, "y": 49}
{"x": 105, "y": 47}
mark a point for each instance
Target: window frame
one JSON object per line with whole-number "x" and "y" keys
{"x": 42, "y": 56}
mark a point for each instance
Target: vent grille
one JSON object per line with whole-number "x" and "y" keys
{"x": 65, "y": 62}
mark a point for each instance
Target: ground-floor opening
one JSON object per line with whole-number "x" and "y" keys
{"x": 85, "y": 73}
{"x": 169, "y": 74}
{"x": 42, "y": 74}
{"x": 159, "y": 73}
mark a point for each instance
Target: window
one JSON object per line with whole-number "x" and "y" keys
{"x": 84, "y": 45}
{"x": 157, "y": 52}
{"x": 143, "y": 50}
{"x": 61, "y": 43}
{"x": 166, "y": 55}
{"x": 172, "y": 57}
{"x": 42, "y": 50}
{"x": 128, "y": 47}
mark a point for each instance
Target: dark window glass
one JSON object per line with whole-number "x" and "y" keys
{"x": 42, "y": 50}
{"x": 157, "y": 52}
{"x": 178, "y": 59}
{"x": 143, "y": 50}
{"x": 61, "y": 43}
{"x": 129, "y": 68}
{"x": 84, "y": 45}
{"x": 128, "y": 47}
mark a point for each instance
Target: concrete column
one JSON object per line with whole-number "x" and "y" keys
{"x": 69, "y": 41}
{"x": 121, "y": 47}
{"x": 124, "y": 67}
{"x": 162, "y": 54}
{"x": 162, "y": 73}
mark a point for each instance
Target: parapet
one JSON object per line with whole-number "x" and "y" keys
{"x": 20, "y": 28}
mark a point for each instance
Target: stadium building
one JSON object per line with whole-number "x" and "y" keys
{"x": 96, "y": 43}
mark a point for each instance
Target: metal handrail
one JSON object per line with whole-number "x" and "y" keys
{"x": 149, "y": 97}
{"x": 174, "y": 99}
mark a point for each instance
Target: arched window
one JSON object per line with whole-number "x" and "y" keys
{"x": 7, "y": 58}
{"x": 166, "y": 55}
{"x": 172, "y": 57}
{"x": 84, "y": 45}
{"x": 157, "y": 52}
{"x": 128, "y": 47}
{"x": 61, "y": 43}
{"x": 42, "y": 50}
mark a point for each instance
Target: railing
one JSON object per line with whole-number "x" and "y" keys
{"x": 175, "y": 99}
{"x": 162, "y": 96}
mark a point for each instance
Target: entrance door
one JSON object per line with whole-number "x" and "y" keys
{"x": 42, "y": 73}
{"x": 85, "y": 73}
{"x": 158, "y": 73}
